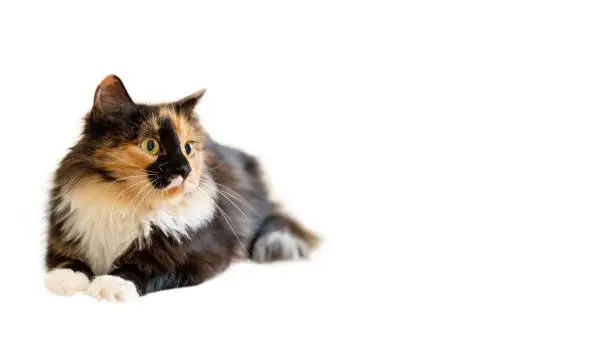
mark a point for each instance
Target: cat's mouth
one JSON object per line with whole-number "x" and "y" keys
{"x": 174, "y": 182}
{"x": 168, "y": 182}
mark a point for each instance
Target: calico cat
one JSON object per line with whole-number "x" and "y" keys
{"x": 146, "y": 201}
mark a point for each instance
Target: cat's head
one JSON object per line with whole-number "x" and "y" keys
{"x": 156, "y": 152}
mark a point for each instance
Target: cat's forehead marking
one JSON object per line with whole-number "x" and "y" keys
{"x": 177, "y": 119}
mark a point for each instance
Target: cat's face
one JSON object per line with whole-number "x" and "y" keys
{"x": 146, "y": 154}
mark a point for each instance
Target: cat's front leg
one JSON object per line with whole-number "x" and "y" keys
{"x": 140, "y": 276}
{"x": 112, "y": 288}
{"x": 122, "y": 284}
{"x": 65, "y": 277}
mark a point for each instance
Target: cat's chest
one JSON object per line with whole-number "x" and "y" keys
{"x": 105, "y": 232}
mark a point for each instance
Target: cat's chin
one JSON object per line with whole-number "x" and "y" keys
{"x": 174, "y": 190}
{"x": 173, "y": 194}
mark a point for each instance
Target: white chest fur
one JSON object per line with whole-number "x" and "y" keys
{"x": 104, "y": 231}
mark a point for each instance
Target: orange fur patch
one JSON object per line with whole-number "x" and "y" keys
{"x": 109, "y": 80}
{"x": 186, "y": 133}
{"x": 125, "y": 160}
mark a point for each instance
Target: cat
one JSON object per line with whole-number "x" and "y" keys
{"x": 147, "y": 201}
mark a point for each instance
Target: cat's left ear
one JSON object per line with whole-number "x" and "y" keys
{"x": 187, "y": 104}
{"x": 112, "y": 99}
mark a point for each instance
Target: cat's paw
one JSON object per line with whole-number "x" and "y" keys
{"x": 112, "y": 288}
{"x": 65, "y": 282}
{"x": 280, "y": 245}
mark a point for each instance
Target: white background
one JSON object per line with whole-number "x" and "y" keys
{"x": 454, "y": 155}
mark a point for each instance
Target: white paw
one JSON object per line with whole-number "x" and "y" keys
{"x": 112, "y": 288}
{"x": 280, "y": 245}
{"x": 66, "y": 282}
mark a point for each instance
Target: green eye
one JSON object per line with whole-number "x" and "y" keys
{"x": 189, "y": 148}
{"x": 150, "y": 146}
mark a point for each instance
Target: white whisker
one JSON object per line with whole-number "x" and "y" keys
{"x": 231, "y": 193}
{"x": 112, "y": 208}
{"x": 144, "y": 197}
{"x": 230, "y": 200}
{"x": 227, "y": 220}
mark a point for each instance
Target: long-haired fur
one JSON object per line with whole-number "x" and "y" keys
{"x": 146, "y": 200}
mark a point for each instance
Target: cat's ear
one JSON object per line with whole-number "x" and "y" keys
{"x": 112, "y": 99}
{"x": 187, "y": 104}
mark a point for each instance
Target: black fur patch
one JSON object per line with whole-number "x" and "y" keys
{"x": 171, "y": 161}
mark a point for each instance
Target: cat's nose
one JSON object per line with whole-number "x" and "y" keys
{"x": 183, "y": 170}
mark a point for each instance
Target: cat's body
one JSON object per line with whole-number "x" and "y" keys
{"x": 147, "y": 200}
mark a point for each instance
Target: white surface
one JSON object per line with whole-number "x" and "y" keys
{"x": 455, "y": 155}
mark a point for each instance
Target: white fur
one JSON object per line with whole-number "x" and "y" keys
{"x": 112, "y": 288}
{"x": 104, "y": 232}
{"x": 176, "y": 181}
{"x": 65, "y": 282}
{"x": 174, "y": 219}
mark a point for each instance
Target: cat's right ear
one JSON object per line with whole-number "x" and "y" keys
{"x": 112, "y": 99}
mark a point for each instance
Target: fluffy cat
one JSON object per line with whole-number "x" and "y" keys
{"x": 146, "y": 200}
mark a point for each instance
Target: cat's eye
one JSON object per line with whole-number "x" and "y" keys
{"x": 189, "y": 148}
{"x": 150, "y": 146}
